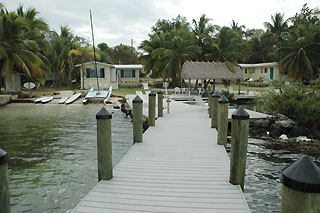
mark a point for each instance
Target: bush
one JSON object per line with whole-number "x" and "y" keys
{"x": 298, "y": 102}
{"x": 228, "y": 95}
{"x": 130, "y": 85}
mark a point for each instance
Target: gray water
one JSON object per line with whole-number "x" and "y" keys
{"x": 52, "y": 153}
{"x": 53, "y": 163}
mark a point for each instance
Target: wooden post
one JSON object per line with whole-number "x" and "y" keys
{"x": 104, "y": 145}
{"x": 168, "y": 104}
{"x": 301, "y": 187}
{"x": 4, "y": 183}
{"x": 214, "y": 109}
{"x": 137, "y": 121}
{"x": 223, "y": 108}
{"x": 210, "y": 103}
{"x": 152, "y": 109}
{"x": 239, "y": 144}
{"x": 160, "y": 104}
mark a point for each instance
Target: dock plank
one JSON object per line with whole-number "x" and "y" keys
{"x": 177, "y": 168}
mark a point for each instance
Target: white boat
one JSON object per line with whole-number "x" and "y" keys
{"x": 73, "y": 98}
{"x": 94, "y": 95}
{"x": 63, "y": 99}
{"x": 46, "y": 99}
{"x": 38, "y": 100}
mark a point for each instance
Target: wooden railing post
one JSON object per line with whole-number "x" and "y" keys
{"x": 214, "y": 109}
{"x": 137, "y": 105}
{"x": 104, "y": 145}
{"x": 223, "y": 108}
{"x": 4, "y": 183}
{"x": 239, "y": 144}
{"x": 301, "y": 187}
{"x": 160, "y": 104}
{"x": 152, "y": 109}
{"x": 210, "y": 103}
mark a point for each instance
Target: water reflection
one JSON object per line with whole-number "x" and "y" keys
{"x": 52, "y": 153}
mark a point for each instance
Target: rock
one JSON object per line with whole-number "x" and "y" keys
{"x": 315, "y": 134}
{"x": 275, "y": 133}
{"x": 296, "y": 131}
{"x": 261, "y": 123}
{"x": 283, "y": 126}
{"x": 258, "y": 132}
{"x": 281, "y": 117}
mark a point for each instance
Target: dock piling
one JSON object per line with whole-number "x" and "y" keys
{"x": 239, "y": 144}
{"x": 152, "y": 109}
{"x": 223, "y": 108}
{"x": 137, "y": 104}
{"x": 160, "y": 104}
{"x": 301, "y": 187}
{"x": 104, "y": 145}
{"x": 168, "y": 104}
{"x": 210, "y": 103}
{"x": 214, "y": 109}
{"x": 4, "y": 183}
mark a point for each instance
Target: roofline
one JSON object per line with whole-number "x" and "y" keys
{"x": 259, "y": 65}
{"x": 91, "y": 62}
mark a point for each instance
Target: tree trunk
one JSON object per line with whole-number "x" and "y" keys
{"x": 196, "y": 85}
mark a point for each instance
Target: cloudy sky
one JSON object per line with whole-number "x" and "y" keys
{"x": 119, "y": 21}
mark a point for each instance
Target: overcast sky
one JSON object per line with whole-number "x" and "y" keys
{"x": 119, "y": 21}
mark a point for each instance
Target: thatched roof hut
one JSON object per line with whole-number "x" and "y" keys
{"x": 210, "y": 70}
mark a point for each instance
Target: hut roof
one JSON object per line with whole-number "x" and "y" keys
{"x": 209, "y": 70}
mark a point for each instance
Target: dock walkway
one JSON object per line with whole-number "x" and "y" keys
{"x": 177, "y": 168}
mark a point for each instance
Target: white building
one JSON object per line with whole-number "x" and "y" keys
{"x": 128, "y": 72}
{"x": 264, "y": 71}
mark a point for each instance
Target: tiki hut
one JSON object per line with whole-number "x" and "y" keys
{"x": 210, "y": 70}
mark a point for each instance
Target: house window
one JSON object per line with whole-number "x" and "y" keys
{"x": 261, "y": 70}
{"x": 265, "y": 70}
{"x": 127, "y": 73}
{"x": 92, "y": 73}
{"x": 245, "y": 70}
{"x": 101, "y": 73}
{"x": 253, "y": 70}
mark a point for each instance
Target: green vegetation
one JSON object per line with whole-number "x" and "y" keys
{"x": 295, "y": 100}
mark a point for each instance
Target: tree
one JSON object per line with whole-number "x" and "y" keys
{"x": 277, "y": 27}
{"x": 238, "y": 29}
{"x": 202, "y": 31}
{"x": 124, "y": 54}
{"x": 18, "y": 52}
{"x": 82, "y": 54}
{"x": 178, "y": 49}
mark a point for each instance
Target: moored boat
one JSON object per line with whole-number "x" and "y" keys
{"x": 73, "y": 98}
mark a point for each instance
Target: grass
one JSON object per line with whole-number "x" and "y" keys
{"x": 125, "y": 91}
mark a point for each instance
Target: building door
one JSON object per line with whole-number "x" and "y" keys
{"x": 271, "y": 73}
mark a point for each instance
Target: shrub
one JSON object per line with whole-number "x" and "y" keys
{"x": 228, "y": 95}
{"x": 298, "y": 102}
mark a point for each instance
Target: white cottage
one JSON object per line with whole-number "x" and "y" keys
{"x": 265, "y": 71}
{"x": 128, "y": 72}
{"x": 106, "y": 76}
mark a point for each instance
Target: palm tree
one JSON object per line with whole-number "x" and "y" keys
{"x": 17, "y": 53}
{"x": 83, "y": 54}
{"x": 202, "y": 31}
{"x": 277, "y": 27}
{"x": 226, "y": 46}
{"x": 179, "y": 47}
{"x": 238, "y": 29}
{"x": 301, "y": 55}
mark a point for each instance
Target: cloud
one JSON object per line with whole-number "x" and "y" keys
{"x": 119, "y": 21}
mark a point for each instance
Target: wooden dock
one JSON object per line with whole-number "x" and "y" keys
{"x": 177, "y": 168}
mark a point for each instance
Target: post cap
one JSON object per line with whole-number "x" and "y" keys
{"x": 103, "y": 114}
{"x": 3, "y": 157}
{"x": 303, "y": 175}
{"x": 223, "y": 100}
{"x": 211, "y": 92}
{"x": 240, "y": 114}
{"x": 152, "y": 94}
{"x": 216, "y": 94}
{"x": 137, "y": 99}
{"x": 160, "y": 92}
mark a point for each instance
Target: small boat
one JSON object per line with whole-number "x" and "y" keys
{"x": 38, "y": 100}
{"x": 46, "y": 99}
{"x": 73, "y": 98}
{"x": 94, "y": 95}
{"x": 63, "y": 99}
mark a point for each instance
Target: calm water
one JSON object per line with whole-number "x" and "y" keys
{"x": 53, "y": 164}
{"x": 52, "y": 153}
